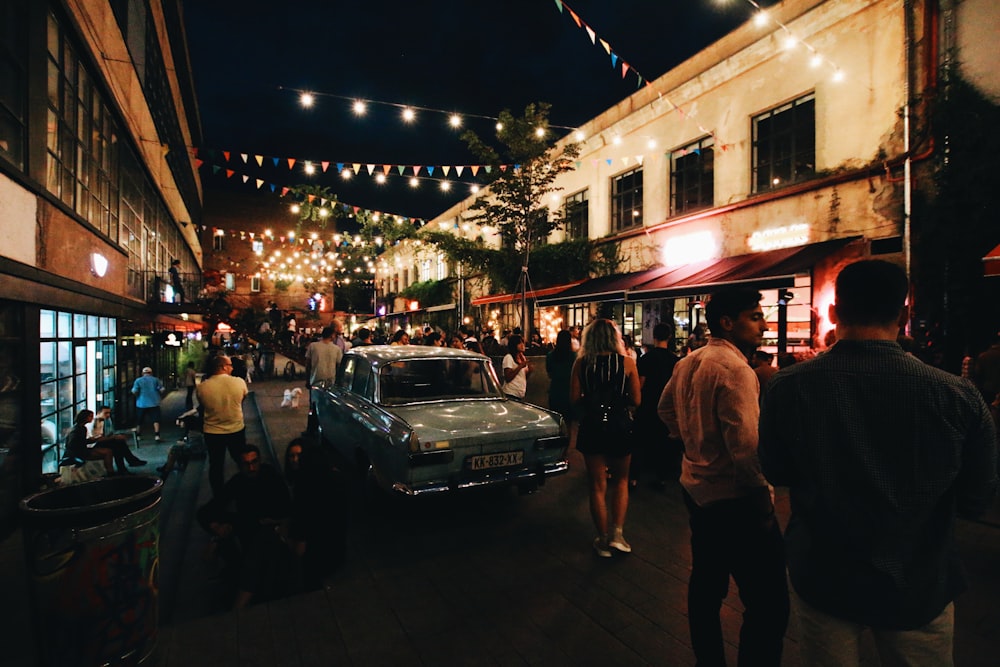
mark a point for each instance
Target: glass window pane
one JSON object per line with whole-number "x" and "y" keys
{"x": 79, "y": 326}
{"x": 65, "y": 361}
{"x": 47, "y": 355}
{"x": 64, "y": 423}
{"x": 92, "y": 329}
{"x": 64, "y": 393}
{"x": 81, "y": 389}
{"x": 81, "y": 359}
{"x": 47, "y": 324}
{"x": 113, "y": 327}
{"x": 48, "y": 398}
{"x": 65, "y": 325}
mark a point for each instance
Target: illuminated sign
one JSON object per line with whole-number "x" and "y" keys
{"x": 786, "y": 236}
{"x": 689, "y": 248}
{"x": 98, "y": 264}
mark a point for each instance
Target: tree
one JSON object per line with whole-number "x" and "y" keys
{"x": 524, "y": 163}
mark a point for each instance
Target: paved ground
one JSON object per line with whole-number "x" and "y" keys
{"x": 476, "y": 579}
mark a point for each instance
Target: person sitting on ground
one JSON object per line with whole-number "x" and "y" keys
{"x": 181, "y": 453}
{"x": 80, "y": 446}
{"x": 103, "y": 432}
{"x": 247, "y": 519}
{"x": 318, "y": 527}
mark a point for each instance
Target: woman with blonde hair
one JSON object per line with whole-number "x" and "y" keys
{"x": 604, "y": 384}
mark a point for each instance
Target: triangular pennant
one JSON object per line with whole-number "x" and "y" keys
{"x": 340, "y": 167}
{"x": 198, "y": 163}
{"x": 371, "y": 169}
{"x": 638, "y": 158}
{"x": 577, "y": 163}
{"x": 593, "y": 35}
{"x": 445, "y": 169}
{"x": 357, "y": 167}
{"x": 284, "y": 191}
{"x": 607, "y": 47}
{"x": 475, "y": 169}
{"x": 259, "y": 183}
{"x": 614, "y": 60}
{"x": 272, "y": 187}
{"x": 624, "y": 69}
{"x": 559, "y": 5}
{"x": 488, "y": 168}
{"x": 386, "y": 168}
{"x": 215, "y": 169}
{"x": 401, "y": 169}
{"x": 625, "y": 161}
{"x": 458, "y": 170}
{"x": 244, "y": 156}
{"x": 291, "y": 162}
{"x": 575, "y": 18}
{"x": 356, "y": 208}
{"x": 226, "y": 154}
{"x": 430, "y": 171}
{"x": 245, "y": 178}
{"x": 311, "y": 198}
{"x": 325, "y": 164}
{"x": 416, "y": 169}
{"x": 275, "y": 161}
{"x": 229, "y": 173}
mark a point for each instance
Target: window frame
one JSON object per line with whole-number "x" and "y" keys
{"x": 693, "y": 157}
{"x": 626, "y": 213}
{"x": 576, "y": 215}
{"x": 779, "y": 168}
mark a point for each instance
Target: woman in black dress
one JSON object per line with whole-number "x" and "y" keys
{"x": 605, "y": 387}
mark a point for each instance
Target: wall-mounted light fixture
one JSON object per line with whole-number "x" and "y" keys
{"x": 98, "y": 264}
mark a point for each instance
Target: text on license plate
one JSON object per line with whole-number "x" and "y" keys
{"x": 499, "y": 460}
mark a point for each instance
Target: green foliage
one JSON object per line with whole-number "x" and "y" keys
{"x": 430, "y": 292}
{"x": 559, "y": 263}
{"x": 312, "y": 208}
{"x": 282, "y": 284}
{"x": 388, "y": 228}
{"x": 516, "y": 204}
{"x": 608, "y": 258}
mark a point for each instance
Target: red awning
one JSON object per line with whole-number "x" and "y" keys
{"x": 605, "y": 288}
{"x": 761, "y": 270}
{"x": 532, "y": 295}
{"x": 991, "y": 263}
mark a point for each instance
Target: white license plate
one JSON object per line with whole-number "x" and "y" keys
{"x": 500, "y": 460}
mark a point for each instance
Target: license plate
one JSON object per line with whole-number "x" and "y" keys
{"x": 500, "y": 460}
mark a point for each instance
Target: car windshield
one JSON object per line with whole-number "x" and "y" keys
{"x": 414, "y": 380}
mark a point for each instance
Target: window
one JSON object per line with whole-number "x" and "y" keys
{"x": 258, "y": 246}
{"x": 425, "y": 269}
{"x": 218, "y": 240}
{"x": 82, "y": 148}
{"x": 784, "y": 144}
{"x": 231, "y": 282}
{"x": 13, "y": 80}
{"x": 442, "y": 267}
{"x": 626, "y": 200}
{"x": 254, "y": 283}
{"x": 576, "y": 215}
{"x": 692, "y": 177}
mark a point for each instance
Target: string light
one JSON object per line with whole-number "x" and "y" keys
{"x": 307, "y": 99}
{"x": 359, "y": 107}
{"x": 762, "y": 18}
{"x": 455, "y": 120}
{"x": 409, "y": 115}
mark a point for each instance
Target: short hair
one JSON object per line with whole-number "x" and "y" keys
{"x": 870, "y": 292}
{"x": 662, "y": 331}
{"x": 729, "y": 302}
{"x": 364, "y": 333}
{"x": 250, "y": 449}
{"x": 103, "y": 407}
{"x": 327, "y": 332}
{"x": 217, "y": 363}
{"x": 601, "y": 336}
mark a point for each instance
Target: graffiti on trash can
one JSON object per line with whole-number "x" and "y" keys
{"x": 97, "y": 599}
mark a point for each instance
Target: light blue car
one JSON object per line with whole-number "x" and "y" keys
{"x": 432, "y": 419}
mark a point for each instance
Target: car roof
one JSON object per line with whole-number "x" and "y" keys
{"x": 381, "y": 354}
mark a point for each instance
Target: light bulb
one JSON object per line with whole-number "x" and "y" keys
{"x": 306, "y": 100}
{"x": 359, "y": 107}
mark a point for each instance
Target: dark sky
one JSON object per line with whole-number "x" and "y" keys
{"x": 465, "y": 56}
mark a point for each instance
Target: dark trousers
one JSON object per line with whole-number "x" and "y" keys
{"x": 732, "y": 538}
{"x": 217, "y": 445}
{"x": 189, "y": 399}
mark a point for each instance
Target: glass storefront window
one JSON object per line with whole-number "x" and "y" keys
{"x": 47, "y": 324}
{"x": 65, "y": 324}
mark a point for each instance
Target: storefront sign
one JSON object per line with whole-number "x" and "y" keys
{"x": 786, "y": 236}
{"x": 689, "y": 248}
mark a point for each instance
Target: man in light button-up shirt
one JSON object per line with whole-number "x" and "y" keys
{"x": 711, "y": 404}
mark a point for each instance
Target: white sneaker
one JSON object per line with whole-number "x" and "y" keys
{"x": 618, "y": 543}
{"x": 601, "y": 547}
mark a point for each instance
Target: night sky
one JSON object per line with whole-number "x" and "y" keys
{"x": 468, "y": 57}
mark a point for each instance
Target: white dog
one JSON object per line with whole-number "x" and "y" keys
{"x": 291, "y": 398}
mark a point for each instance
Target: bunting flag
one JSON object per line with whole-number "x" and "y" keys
{"x": 225, "y": 154}
{"x": 259, "y": 159}
{"x": 325, "y": 164}
{"x": 244, "y": 157}
{"x": 626, "y": 67}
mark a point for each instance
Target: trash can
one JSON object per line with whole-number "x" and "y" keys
{"x": 92, "y": 553}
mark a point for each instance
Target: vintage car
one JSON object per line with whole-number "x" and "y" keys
{"x": 423, "y": 419}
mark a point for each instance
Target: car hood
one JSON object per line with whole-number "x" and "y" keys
{"x": 477, "y": 420}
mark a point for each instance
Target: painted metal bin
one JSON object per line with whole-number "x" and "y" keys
{"x": 92, "y": 554}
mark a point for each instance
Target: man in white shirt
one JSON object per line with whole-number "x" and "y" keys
{"x": 102, "y": 429}
{"x": 322, "y": 360}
